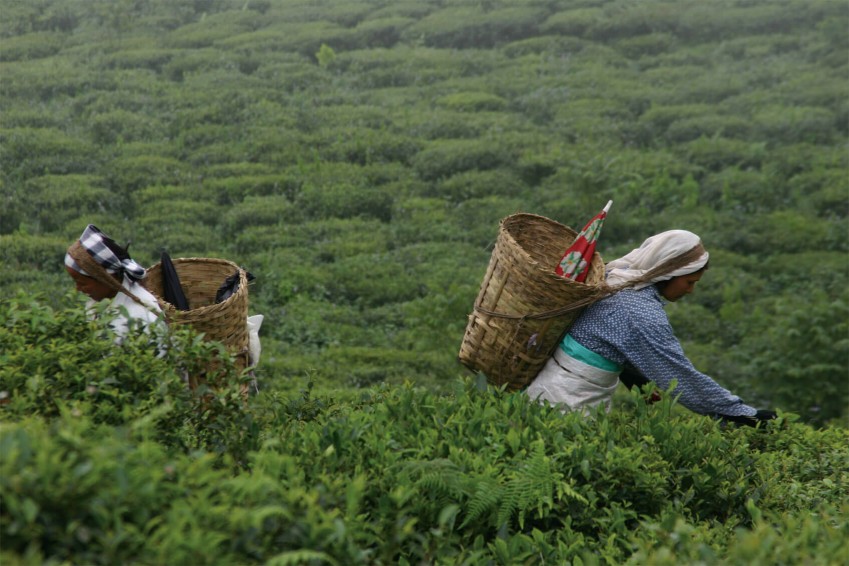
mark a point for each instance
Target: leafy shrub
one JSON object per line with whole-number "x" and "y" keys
{"x": 47, "y": 78}
{"x": 258, "y": 211}
{"x": 213, "y": 28}
{"x": 123, "y": 126}
{"x": 414, "y": 10}
{"x": 688, "y": 129}
{"x": 473, "y": 27}
{"x": 23, "y": 115}
{"x": 422, "y": 219}
{"x": 345, "y": 200}
{"x": 53, "y": 200}
{"x": 472, "y": 102}
{"x": 481, "y": 216}
{"x": 349, "y": 13}
{"x": 57, "y": 363}
{"x": 444, "y": 124}
{"x": 31, "y": 152}
{"x": 381, "y": 32}
{"x": 830, "y": 201}
{"x": 352, "y": 280}
{"x": 237, "y": 169}
{"x": 449, "y": 157}
{"x": 147, "y": 57}
{"x": 337, "y": 238}
{"x": 779, "y": 231}
{"x": 217, "y": 154}
{"x": 362, "y": 146}
{"x": 796, "y": 125}
{"x": 24, "y": 251}
{"x": 304, "y": 38}
{"x": 198, "y": 60}
{"x": 31, "y": 46}
{"x": 701, "y": 22}
{"x": 233, "y": 189}
{"x": 545, "y": 44}
{"x": 571, "y": 22}
{"x": 749, "y": 191}
{"x": 176, "y": 230}
{"x": 646, "y": 45}
{"x": 476, "y": 184}
{"x": 717, "y": 153}
{"x": 128, "y": 174}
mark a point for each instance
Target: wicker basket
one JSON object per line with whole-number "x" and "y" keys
{"x": 200, "y": 278}
{"x": 523, "y": 308}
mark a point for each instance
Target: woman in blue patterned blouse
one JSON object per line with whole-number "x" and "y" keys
{"x": 628, "y": 334}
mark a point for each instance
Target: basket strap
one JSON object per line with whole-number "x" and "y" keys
{"x": 551, "y": 313}
{"x": 606, "y": 291}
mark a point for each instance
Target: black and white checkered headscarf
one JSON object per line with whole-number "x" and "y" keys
{"x": 106, "y": 253}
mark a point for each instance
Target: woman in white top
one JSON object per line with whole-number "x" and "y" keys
{"x": 103, "y": 270}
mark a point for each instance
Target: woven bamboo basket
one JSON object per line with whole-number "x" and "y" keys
{"x": 200, "y": 278}
{"x": 523, "y": 308}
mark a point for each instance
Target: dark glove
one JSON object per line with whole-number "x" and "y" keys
{"x": 762, "y": 415}
{"x": 765, "y": 415}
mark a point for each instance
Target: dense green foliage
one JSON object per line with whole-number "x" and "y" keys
{"x": 96, "y": 473}
{"x": 356, "y": 156}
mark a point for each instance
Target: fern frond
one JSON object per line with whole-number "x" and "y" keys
{"x": 438, "y": 477}
{"x": 531, "y": 486}
{"x": 485, "y": 498}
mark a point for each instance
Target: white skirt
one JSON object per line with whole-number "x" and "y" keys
{"x": 573, "y": 384}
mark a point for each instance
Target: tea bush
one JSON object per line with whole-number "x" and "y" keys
{"x": 58, "y": 363}
{"x": 400, "y": 474}
{"x": 31, "y": 46}
{"x": 53, "y": 200}
{"x": 445, "y": 158}
{"x": 20, "y": 251}
{"x": 31, "y": 152}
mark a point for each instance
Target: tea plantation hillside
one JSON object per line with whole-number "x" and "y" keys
{"x": 356, "y": 156}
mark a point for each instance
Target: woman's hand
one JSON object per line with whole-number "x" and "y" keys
{"x": 762, "y": 416}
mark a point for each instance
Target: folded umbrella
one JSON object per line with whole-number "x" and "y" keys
{"x": 172, "y": 291}
{"x": 230, "y": 286}
{"x": 576, "y": 260}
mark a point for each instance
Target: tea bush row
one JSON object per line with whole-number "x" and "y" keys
{"x": 397, "y": 475}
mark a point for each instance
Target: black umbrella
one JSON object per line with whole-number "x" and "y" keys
{"x": 172, "y": 291}
{"x": 230, "y": 286}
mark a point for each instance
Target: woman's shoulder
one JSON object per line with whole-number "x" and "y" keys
{"x": 647, "y": 296}
{"x": 635, "y": 305}
{"x": 145, "y": 296}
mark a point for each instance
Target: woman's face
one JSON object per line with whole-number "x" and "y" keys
{"x": 90, "y": 286}
{"x": 680, "y": 286}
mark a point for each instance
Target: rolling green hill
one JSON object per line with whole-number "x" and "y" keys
{"x": 356, "y": 157}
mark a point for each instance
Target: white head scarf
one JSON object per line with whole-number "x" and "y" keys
{"x": 655, "y": 260}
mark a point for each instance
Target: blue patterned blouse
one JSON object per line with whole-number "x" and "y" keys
{"x": 632, "y": 327}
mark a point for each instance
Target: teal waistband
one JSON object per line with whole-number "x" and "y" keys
{"x": 572, "y": 348}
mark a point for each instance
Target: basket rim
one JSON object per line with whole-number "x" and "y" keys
{"x": 243, "y": 284}
{"x": 197, "y": 260}
{"x": 537, "y": 266}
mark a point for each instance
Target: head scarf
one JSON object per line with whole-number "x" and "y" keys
{"x": 95, "y": 249}
{"x": 661, "y": 257}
